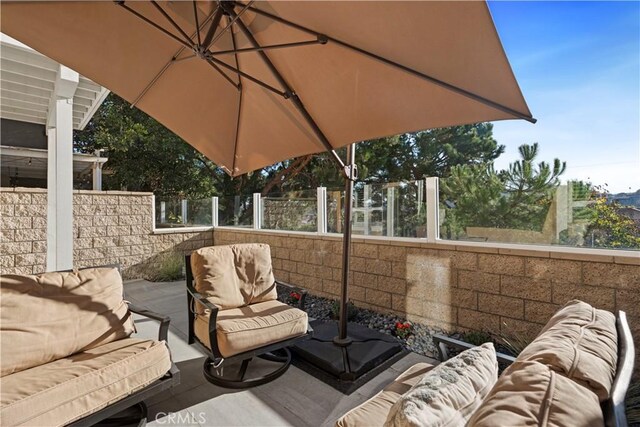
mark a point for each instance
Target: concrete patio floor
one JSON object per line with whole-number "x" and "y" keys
{"x": 295, "y": 399}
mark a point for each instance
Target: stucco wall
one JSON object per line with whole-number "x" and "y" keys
{"x": 454, "y": 287}
{"x": 109, "y": 227}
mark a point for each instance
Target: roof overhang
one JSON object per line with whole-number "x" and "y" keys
{"x": 32, "y": 162}
{"x": 31, "y": 82}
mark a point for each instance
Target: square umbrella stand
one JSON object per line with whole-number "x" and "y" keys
{"x": 346, "y": 367}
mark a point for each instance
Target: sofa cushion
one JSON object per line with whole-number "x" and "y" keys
{"x": 246, "y": 328}
{"x": 581, "y": 343}
{"x": 65, "y": 390}
{"x": 235, "y": 275}
{"x": 52, "y": 315}
{"x": 530, "y": 394}
{"x": 450, "y": 393}
{"x": 374, "y": 411}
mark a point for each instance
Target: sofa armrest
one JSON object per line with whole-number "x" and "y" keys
{"x": 163, "y": 333}
{"x": 443, "y": 341}
{"x": 303, "y": 292}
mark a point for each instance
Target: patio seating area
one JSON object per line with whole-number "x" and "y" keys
{"x": 295, "y": 399}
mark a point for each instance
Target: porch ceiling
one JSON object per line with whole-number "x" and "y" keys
{"x": 27, "y": 81}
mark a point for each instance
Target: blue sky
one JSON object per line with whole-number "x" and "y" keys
{"x": 578, "y": 65}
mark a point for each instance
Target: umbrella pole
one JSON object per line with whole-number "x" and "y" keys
{"x": 342, "y": 339}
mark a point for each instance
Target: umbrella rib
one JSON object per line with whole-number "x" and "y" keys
{"x": 289, "y": 93}
{"x": 268, "y": 47}
{"x": 409, "y": 70}
{"x": 209, "y": 43}
{"x": 214, "y": 61}
{"x": 172, "y": 22}
{"x": 195, "y": 17}
{"x": 173, "y": 60}
{"x": 158, "y": 27}
{"x": 212, "y": 28}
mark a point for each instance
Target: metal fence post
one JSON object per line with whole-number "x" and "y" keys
{"x": 433, "y": 206}
{"x": 214, "y": 211}
{"x": 391, "y": 211}
{"x": 321, "y": 206}
{"x": 184, "y": 211}
{"x": 257, "y": 211}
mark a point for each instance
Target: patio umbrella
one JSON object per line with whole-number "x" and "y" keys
{"x": 251, "y": 84}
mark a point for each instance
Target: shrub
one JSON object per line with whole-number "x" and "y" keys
{"x": 167, "y": 266}
{"x": 632, "y": 402}
{"x": 477, "y": 338}
{"x": 352, "y": 310}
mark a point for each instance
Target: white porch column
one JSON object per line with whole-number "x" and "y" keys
{"x": 60, "y": 172}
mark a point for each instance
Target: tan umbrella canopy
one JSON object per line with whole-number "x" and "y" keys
{"x": 361, "y": 69}
{"x": 254, "y": 83}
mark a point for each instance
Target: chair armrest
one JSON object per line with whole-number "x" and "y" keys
{"x": 163, "y": 333}
{"x": 199, "y": 298}
{"x": 303, "y": 292}
{"x": 443, "y": 341}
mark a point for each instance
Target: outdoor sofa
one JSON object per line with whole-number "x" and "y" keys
{"x": 575, "y": 373}
{"x": 67, "y": 357}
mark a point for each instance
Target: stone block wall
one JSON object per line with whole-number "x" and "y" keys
{"x": 109, "y": 227}
{"x": 23, "y": 230}
{"x": 454, "y": 287}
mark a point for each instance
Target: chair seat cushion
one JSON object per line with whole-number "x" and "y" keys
{"x": 374, "y": 411}
{"x": 68, "y": 389}
{"x": 253, "y": 326}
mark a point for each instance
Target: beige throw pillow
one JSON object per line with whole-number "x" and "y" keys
{"x": 531, "y": 394}
{"x": 49, "y": 316}
{"x": 450, "y": 393}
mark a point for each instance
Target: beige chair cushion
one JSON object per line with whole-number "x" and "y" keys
{"x": 68, "y": 389}
{"x": 450, "y": 393}
{"x": 52, "y": 315}
{"x": 246, "y": 328}
{"x": 235, "y": 275}
{"x": 581, "y": 343}
{"x": 531, "y": 394}
{"x": 374, "y": 411}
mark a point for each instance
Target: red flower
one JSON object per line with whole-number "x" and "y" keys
{"x": 295, "y": 295}
{"x": 399, "y": 325}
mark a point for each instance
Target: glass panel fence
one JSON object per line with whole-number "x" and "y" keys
{"x": 394, "y": 210}
{"x": 177, "y": 213}
{"x": 573, "y": 214}
{"x": 235, "y": 211}
{"x": 293, "y": 211}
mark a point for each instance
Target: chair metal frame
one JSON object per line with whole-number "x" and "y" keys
{"x": 613, "y": 408}
{"x": 216, "y": 360}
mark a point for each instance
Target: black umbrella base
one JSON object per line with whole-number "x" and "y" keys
{"x": 346, "y": 368}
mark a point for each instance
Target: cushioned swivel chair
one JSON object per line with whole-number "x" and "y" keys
{"x": 234, "y": 314}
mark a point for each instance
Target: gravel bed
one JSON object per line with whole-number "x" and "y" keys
{"x": 419, "y": 341}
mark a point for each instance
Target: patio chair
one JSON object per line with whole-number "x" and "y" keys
{"x": 234, "y": 314}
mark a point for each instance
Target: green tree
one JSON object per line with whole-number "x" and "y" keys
{"x": 609, "y": 228}
{"x": 404, "y": 157}
{"x": 146, "y": 156}
{"x": 518, "y": 197}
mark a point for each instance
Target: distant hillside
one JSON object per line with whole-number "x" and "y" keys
{"x": 626, "y": 199}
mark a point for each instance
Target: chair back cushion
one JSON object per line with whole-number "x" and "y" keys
{"x": 581, "y": 343}
{"x": 449, "y": 393}
{"x": 49, "y": 316}
{"x": 235, "y": 275}
{"x": 531, "y": 394}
